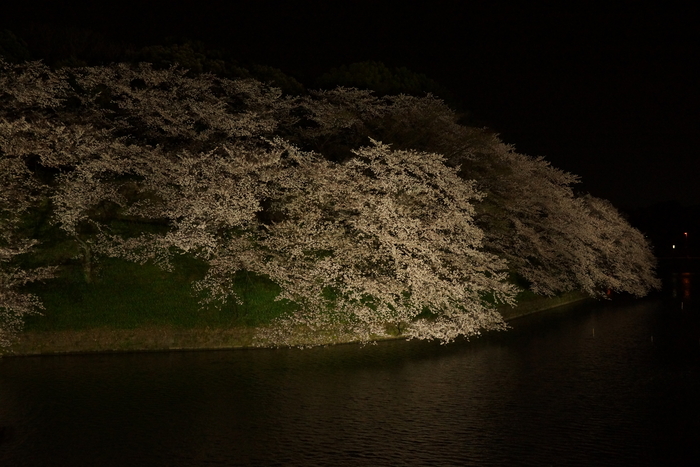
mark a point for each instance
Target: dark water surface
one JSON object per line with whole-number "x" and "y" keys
{"x": 598, "y": 383}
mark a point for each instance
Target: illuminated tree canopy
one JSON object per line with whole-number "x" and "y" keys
{"x": 366, "y": 211}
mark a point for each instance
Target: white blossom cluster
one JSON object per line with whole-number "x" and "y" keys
{"x": 530, "y": 216}
{"x": 19, "y": 192}
{"x": 391, "y": 234}
{"x": 367, "y": 212}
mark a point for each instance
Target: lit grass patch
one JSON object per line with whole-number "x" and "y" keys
{"x": 125, "y": 295}
{"x": 258, "y": 296}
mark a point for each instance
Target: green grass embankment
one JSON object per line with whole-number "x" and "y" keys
{"x": 130, "y": 307}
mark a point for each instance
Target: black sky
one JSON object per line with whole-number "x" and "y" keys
{"x": 608, "y": 92}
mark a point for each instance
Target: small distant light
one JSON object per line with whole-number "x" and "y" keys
{"x": 686, "y": 234}
{"x": 674, "y": 246}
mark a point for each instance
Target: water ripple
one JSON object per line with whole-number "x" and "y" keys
{"x": 546, "y": 393}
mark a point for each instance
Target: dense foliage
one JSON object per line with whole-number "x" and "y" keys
{"x": 365, "y": 210}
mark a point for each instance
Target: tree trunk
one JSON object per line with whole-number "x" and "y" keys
{"x": 86, "y": 260}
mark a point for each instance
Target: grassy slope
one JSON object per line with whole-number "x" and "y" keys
{"x": 132, "y": 307}
{"x": 129, "y": 296}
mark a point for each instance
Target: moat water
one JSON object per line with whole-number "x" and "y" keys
{"x": 595, "y": 383}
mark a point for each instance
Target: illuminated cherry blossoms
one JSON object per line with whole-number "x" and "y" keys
{"x": 367, "y": 212}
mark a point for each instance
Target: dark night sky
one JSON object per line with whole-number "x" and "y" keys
{"x": 606, "y": 92}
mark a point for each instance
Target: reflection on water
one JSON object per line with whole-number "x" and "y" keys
{"x": 547, "y": 392}
{"x": 681, "y": 285}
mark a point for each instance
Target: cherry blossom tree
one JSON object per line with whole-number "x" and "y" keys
{"x": 623, "y": 259}
{"x": 555, "y": 240}
{"x": 366, "y": 211}
{"x": 386, "y": 237}
{"x": 104, "y": 130}
{"x": 530, "y": 214}
{"x": 18, "y": 193}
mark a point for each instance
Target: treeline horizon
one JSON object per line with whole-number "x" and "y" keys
{"x": 60, "y": 46}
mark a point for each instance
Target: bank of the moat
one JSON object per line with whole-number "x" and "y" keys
{"x": 163, "y": 338}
